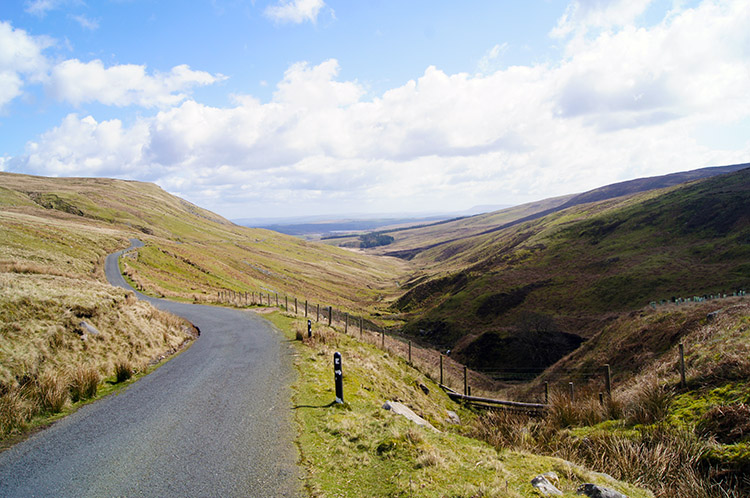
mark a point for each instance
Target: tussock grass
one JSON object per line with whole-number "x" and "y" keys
{"x": 123, "y": 370}
{"x": 648, "y": 401}
{"x": 51, "y": 390}
{"x": 629, "y": 437}
{"x": 84, "y": 382}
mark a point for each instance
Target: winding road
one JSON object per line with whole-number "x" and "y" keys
{"x": 214, "y": 421}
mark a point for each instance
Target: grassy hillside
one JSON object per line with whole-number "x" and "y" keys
{"x": 533, "y": 287}
{"x": 190, "y": 253}
{"x": 62, "y": 325}
{"x": 691, "y": 440}
{"x": 360, "y": 449}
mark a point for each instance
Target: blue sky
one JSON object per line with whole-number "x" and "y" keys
{"x": 290, "y": 107}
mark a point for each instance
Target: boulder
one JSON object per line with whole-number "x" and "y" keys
{"x": 453, "y": 418}
{"x": 542, "y": 484}
{"x": 86, "y": 327}
{"x": 594, "y": 491}
{"x": 405, "y": 411}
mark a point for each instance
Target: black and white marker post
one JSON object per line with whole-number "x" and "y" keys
{"x": 339, "y": 377}
{"x": 309, "y": 328}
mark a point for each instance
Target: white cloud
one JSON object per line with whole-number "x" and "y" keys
{"x": 21, "y": 61}
{"x": 85, "y": 22}
{"x": 123, "y": 85}
{"x": 633, "y": 99}
{"x": 83, "y": 146}
{"x": 489, "y": 61}
{"x": 582, "y": 15}
{"x": 294, "y": 11}
{"x": 41, "y": 7}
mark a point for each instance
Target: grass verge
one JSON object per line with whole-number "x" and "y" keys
{"x": 359, "y": 449}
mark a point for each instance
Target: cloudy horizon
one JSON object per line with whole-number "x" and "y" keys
{"x": 303, "y": 107}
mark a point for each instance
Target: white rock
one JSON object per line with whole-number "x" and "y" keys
{"x": 405, "y": 411}
{"x": 544, "y": 486}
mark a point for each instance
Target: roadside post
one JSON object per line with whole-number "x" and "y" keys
{"x": 309, "y": 328}
{"x": 338, "y": 377}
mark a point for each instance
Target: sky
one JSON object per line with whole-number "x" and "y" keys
{"x": 274, "y": 108}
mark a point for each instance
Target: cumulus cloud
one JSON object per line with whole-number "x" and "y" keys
{"x": 632, "y": 99}
{"x": 294, "y": 11}
{"x": 123, "y": 85}
{"x": 83, "y": 146}
{"x": 21, "y": 61}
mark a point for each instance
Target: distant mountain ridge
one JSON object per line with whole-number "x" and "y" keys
{"x": 599, "y": 194}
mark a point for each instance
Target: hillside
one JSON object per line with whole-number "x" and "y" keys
{"x": 190, "y": 253}
{"x": 65, "y": 334}
{"x": 411, "y": 241}
{"x": 529, "y": 294}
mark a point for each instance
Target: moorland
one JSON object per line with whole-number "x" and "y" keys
{"x": 554, "y": 290}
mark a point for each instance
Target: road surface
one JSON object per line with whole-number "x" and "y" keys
{"x": 214, "y": 421}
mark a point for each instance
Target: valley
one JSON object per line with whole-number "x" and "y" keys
{"x": 545, "y": 292}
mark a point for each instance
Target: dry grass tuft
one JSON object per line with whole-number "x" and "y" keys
{"x": 123, "y": 369}
{"x": 648, "y": 401}
{"x": 15, "y": 410}
{"x": 52, "y": 392}
{"x": 84, "y": 383}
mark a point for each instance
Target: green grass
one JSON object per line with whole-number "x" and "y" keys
{"x": 359, "y": 449}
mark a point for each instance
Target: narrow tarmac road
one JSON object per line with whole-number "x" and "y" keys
{"x": 214, "y": 421}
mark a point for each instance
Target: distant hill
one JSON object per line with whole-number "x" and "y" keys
{"x": 410, "y": 242}
{"x": 529, "y": 292}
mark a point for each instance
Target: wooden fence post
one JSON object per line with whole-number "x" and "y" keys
{"x": 296, "y": 311}
{"x": 683, "y": 380}
{"x": 286, "y": 303}
{"x": 409, "y": 352}
{"x": 360, "y": 327}
{"x": 317, "y": 319}
{"x": 466, "y": 381}
{"x": 608, "y": 379}
{"x": 346, "y": 323}
{"x": 305, "y": 308}
{"x": 382, "y": 339}
{"x": 441, "y": 370}
{"x": 330, "y": 315}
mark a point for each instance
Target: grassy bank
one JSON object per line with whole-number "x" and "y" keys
{"x": 360, "y": 449}
{"x": 65, "y": 338}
